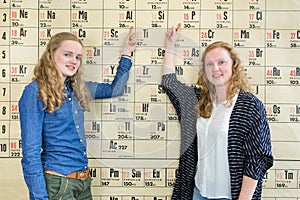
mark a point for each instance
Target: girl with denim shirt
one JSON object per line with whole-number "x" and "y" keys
{"x": 54, "y": 162}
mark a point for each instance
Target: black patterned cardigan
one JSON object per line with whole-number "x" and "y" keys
{"x": 249, "y": 143}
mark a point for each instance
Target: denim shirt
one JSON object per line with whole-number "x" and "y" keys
{"x": 56, "y": 141}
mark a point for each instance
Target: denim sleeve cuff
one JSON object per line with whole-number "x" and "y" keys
{"x": 125, "y": 63}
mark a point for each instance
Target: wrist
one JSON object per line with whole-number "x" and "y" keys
{"x": 168, "y": 69}
{"x": 126, "y": 56}
{"x": 170, "y": 52}
{"x": 127, "y": 52}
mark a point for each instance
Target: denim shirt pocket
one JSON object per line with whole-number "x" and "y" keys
{"x": 60, "y": 115}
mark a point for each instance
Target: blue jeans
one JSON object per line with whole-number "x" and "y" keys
{"x": 197, "y": 195}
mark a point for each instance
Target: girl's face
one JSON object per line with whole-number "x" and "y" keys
{"x": 218, "y": 67}
{"x": 68, "y": 57}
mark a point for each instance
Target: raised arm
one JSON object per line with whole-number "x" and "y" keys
{"x": 116, "y": 88}
{"x": 170, "y": 38}
{"x": 130, "y": 43}
{"x": 179, "y": 93}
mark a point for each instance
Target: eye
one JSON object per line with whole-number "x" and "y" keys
{"x": 78, "y": 58}
{"x": 67, "y": 54}
{"x": 209, "y": 64}
{"x": 222, "y": 63}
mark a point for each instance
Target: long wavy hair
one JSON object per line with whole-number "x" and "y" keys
{"x": 238, "y": 81}
{"x": 50, "y": 80}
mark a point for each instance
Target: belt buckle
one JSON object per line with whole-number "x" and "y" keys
{"x": 82, "y": 174}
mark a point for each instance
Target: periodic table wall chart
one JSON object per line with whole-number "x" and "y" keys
{"x": 133, "y": 140}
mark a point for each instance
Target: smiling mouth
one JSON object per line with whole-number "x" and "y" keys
{"x": 70, "y": 67}
{"x": 216, "y": 75}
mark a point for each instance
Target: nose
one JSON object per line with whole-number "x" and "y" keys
{"x": 215, "y": 67}
{"x": 74, "y": 60}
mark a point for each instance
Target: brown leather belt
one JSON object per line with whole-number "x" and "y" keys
{"x": 80, "y": 175}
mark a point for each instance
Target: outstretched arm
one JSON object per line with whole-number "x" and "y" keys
{"x": 130, "y": 43}
{"x": 178, "y": 92}
{"x": 116, "y": 88}
{"x": 170, "y": 38}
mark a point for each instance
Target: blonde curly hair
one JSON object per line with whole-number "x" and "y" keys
{"x": 50, "y": 80}
{"x": 238, "y": 80}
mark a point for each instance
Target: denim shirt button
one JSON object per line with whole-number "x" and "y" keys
{"x": 70, "y": 99}
{"x": 77, "y": 126}
{"x": 80, "y": 140}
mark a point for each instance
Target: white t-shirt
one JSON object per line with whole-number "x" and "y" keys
{"x": 212, "y": 176}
